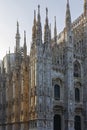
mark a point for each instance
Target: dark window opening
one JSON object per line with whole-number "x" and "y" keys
{"x": 57, "y": 92}
{"x": 57, "y": 122}
{"x": 77, "y": 123}
{"x": 77, "y": 95}
{"x": 77, "y": 69}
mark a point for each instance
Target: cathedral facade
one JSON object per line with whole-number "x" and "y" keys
{"x": 46, "y": 90}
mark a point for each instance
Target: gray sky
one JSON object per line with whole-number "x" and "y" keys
{"x": 22, "y": 10}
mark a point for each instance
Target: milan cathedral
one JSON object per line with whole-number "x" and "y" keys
{"x": 46, "y": 90}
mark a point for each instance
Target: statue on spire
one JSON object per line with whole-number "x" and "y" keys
{"x": 17, "y": 27}
{"x": 68, "y": 17}
{"x": 38, "y": 17}
{"x": 38, "y": 27}
{"x": 24, "y": 37}
{"x": 46, "y": 28}
{"x": 46, "y": 16}
{"x": 55, "y": 30}
{"x": 34, "y": 28}
{"x": 17, "y": 38}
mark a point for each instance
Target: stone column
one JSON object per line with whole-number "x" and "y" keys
{"x": 63, "y": 122}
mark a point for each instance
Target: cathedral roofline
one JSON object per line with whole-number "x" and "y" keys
{"x": 75, "y": 23}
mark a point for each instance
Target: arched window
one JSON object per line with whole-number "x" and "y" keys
{"x": 57, "y": 92}
{"x": 77, "y": 123}
{"x": 77, "y": 94}
{"x": 57, "y": 122}
{"x": 77, "y": 69}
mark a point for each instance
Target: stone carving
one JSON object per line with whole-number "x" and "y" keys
{"x": 71, "y": 125}
{"x": 71, "y": 95}
{"x": 71, "y": 109}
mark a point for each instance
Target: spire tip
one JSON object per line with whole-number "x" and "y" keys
{"x": 24, "y": 36}
{"x": 46, "y": 11}
{"x": 24, "y": 33}
{"x": 9, "y": 50}
{"x": 34, "y": 13}
{"x": 39, "y": 9}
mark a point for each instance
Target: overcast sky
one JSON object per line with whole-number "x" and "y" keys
{"x": 22, "y": 10}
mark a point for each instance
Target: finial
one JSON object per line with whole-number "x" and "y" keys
{"x": 46, "y": 12}
{"x": 55, "y": 30}
{"x": 68, "y": 16}
{"x": 24, "y": 38}
{"x": 34, "y": 18}
{"x": 38, "y": 9}
{"x": 17, "y": 27}
{"x": 68, "y": 4}
{"x": 24, "y": 34}
{"x": 34, "y": 15}
{"x": 17, "y": 37}
{"x": 46, "y": 16}
{"x": 38, "y": 16}
{"x": 38, "y": 26}
{"x": 50, "y": 26}
{"x": 55, "y": 20}
{"x": 9, "y": 50}
{"x": 17, "y": 23}
{"x": 46, "y": 29}
{"x": 34, "y": 27}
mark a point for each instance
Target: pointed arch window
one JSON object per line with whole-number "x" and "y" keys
{"x": 57, "y": 92}
{"x": 77, "y": 123}
{"x": 77, "y": 95}
{"x": 57, "y": 122}
{"x": 77, "y": 69}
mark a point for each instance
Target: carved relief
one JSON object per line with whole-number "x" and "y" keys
{"x": 71, "y": 95}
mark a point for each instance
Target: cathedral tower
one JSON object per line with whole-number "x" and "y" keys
{"x": 47, "y": 77}
{"x": 40, "y": 84}
{"x": 36, "y": 75}
{"x": 16, "y": 82}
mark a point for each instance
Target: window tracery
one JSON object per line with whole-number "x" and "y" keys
{"x": 77, "y": 69}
